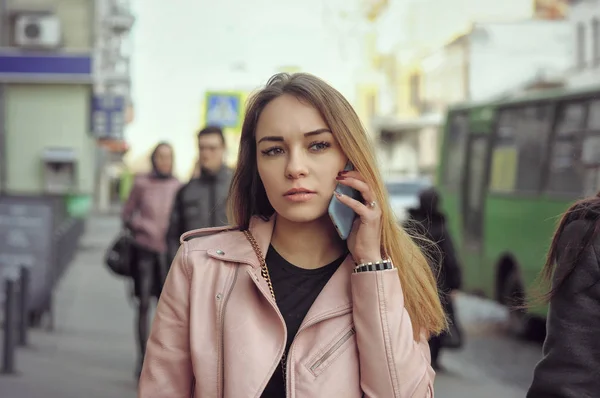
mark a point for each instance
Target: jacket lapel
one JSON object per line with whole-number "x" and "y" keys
{"x": 335, "y": 298}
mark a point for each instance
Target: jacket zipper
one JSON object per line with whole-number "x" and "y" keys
{"x": 221, "y": 366}
{"x": 274, "y": 305}
{"x": 313, "y": 321}
{"x": 332, "y": 350}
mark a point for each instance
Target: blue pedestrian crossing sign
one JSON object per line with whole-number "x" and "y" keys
{"x": 223, "y": 109}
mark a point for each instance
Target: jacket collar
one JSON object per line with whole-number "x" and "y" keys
{"x": 221, "y": 175}
{"x": 335, "y": 296}
{"x": 236, "y": 248}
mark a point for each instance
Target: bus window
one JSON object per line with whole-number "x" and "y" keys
{"x": 455, "y": 144}
{"x": 519, "y": 149}
{"x": 566, "y": 176}
{"x": 477, "y": 162}
{"x": 533, "y": 125}
{"x": 571, "y": 119}
{"x": 504, "y": 155}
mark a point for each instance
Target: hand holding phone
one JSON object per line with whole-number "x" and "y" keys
{"x": 341, "y": 215}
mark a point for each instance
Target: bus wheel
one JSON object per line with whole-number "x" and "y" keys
{"x": 513, "y": 295}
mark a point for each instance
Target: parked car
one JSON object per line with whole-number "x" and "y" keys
{"x": 404, "y": 194}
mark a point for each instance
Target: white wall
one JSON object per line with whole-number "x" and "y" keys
{"x": 504, "y": 56}
{"x": 585, "y": 12}
{"x": 444, "y": 77}
{"x": 429, "y": 24}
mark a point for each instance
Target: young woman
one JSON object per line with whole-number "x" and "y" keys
{"x": 571, "y": 362}
{"x": 146, "y": 214}
{"x": 280, "y": 305}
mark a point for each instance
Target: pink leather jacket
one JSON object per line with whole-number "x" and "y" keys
{"x": 148, "y": 208}
{"x": 217, "y": 331}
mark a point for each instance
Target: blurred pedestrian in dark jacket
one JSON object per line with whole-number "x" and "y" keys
{"x": 427, "y": 221}
{"x": 146, "y": 214}
{"x": 570, "y": 367}
{"x": 202, "y": 202}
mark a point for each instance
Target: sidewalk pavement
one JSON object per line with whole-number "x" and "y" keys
{"x": 92, "y": 352}
{"x": 458, "y": 382}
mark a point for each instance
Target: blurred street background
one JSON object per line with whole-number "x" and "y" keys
{"x": 496, "y": 104}
{"x": 90, "y": 353}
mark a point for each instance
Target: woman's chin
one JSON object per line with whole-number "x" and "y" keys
{"x": 302, "y": 214}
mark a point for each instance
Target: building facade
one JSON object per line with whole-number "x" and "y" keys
{"x": 585, "y": 22}
{"x": 112, "y": 83}
{"x": 52, "y": 55}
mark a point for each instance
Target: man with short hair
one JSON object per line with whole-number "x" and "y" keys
{"x": 201, "y": 203}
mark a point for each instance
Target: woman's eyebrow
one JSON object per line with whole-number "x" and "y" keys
{"x": 276, "y": 138}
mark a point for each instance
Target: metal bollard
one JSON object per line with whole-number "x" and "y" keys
{"x": 10, "y": 319}
{"x": 24, "y": 305}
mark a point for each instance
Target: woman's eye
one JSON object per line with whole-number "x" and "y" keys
{"x": 319, "y": 146}
{"x": 272, "y": 151}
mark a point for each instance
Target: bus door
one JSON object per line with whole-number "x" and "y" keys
{"x": 473, "y": 192}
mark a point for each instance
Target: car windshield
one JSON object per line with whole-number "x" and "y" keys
{"x": 405, "y": 188}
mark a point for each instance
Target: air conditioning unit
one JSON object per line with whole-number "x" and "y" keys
{"x": 37, "y": 31}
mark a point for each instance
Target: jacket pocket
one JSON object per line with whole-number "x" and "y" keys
{"x": 325, "y": 358}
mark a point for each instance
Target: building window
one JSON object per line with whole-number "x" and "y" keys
{"x": 590, "y": 157}
{"x": 415, "y": 90}
{"x": 596, "y": 42}
{"x": 581, "y": 46}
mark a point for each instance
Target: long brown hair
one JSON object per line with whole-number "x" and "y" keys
{"x": 585, "y": 209}
{"x": 248, "y": 196}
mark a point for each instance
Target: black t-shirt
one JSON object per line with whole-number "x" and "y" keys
{"x": 296, "y": 289}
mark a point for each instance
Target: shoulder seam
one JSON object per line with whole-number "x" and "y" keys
{"x": 200, "y": 233}
{"x": 186, "y": 266}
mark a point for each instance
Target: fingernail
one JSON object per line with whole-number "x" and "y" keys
{"x": 342, "y": 172}
{"x": 336, "y": 193}
{"x": 340, "y": 178}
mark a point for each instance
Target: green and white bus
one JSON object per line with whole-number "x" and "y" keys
{"x": 508, "y": 170}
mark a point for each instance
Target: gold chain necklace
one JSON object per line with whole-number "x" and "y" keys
{"x": 265, "y": 274}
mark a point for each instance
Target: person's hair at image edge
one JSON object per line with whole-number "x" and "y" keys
{"x": 248, "y": 197}
{"x": 212, "y": 130}
{"x": 585, "y": 209}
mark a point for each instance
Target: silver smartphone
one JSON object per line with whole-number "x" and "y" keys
{"x": 341, "y": 215}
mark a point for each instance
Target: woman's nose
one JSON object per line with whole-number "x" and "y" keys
{"x": 296, "y": 166}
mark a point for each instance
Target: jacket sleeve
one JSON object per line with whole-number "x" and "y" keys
{"x": 132, "y": 204}
{"x": 167, "y": 370}
{"x": 174, "y": 232}
{"x": 392, "y": 363}
{"x": 571, "y": 353}
{"x": 130, "y": 213}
